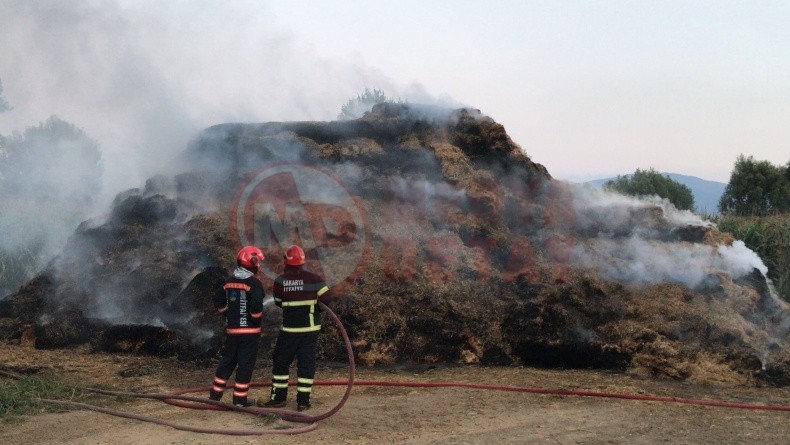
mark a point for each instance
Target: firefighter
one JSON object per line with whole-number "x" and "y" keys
{"x": 241, "y": 301}
{"x": 297, "y": 292}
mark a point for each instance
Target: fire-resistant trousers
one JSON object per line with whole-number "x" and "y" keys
{"x": 239, "y": 353}
{"x": 302, "y": 347}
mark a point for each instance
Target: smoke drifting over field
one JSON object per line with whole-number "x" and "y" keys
{"x": 142, "y": 78}
{"x": 647, "y": 252}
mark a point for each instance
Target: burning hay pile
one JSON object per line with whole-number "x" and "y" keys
{"x": 444, "y": 242}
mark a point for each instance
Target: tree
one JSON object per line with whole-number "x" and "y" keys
{"x": 756, "y": 188}
{"x": 650, "y": 182}
{"x": 50, "y": 176}
{"x": 356, "y": 107}
{"x": 52, "y": 161}
{"x": 3, "y": 103}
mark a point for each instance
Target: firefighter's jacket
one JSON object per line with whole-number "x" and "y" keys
{"x": 297, "y": 292}
{"x": 241, "y": 300}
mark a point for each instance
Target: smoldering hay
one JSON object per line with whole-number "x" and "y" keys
{"x": 444, "y": 242}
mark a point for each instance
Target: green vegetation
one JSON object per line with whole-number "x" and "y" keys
{"x": 756, "y": 188}
{"x": 23, "y": 396}
{"x": 755, "y": 208}
{"x": 16, "y": 267}
{"x": 769, "y": 236}
{"x": 358, "y": 106}
{"x": 50, "y": 176}
{"x": 650, "y": 182}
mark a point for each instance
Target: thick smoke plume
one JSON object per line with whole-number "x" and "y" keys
{"x": 143, "y": 78}
{"x": 641, "y": 241}
{"x": 142, "y": 87}
{"x": 50, "y": 176}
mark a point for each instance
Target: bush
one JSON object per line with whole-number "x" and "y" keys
{"x": 358, "y": 106}
{"x": 650, "y": 182}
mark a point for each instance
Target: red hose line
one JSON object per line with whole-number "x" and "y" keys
{"x": 533, "y": 390}
{"x": 297, "y": 417}
{"x": 193, "y": 429}
{"x": 566, "y": 392}
{"x": 282, "y": 413}
{"x": 177, "y": 398}
{"x": 290, "y": 415}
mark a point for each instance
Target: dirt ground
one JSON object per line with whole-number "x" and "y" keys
{"x": 378, "y": 415}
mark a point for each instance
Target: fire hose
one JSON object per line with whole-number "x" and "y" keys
{"x": 177, "y": 398}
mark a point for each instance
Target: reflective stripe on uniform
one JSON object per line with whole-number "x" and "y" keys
{"x": 238, "y": 385}
{"x": 307, "y": 329}
{"x": 280, "y": 381}
{"x": 304, "y": 384}
{"x": 299, "y": 303}
{"x": 222, "y": 310}
{"x": 240, "y": 286}
{"x": 322, "y": 291}
{"x": 312, "y": 327}
{"x": 219, "y": 384}
{"x": 256, "y": 314}
{"x": 239, "y": 393}
{"x": 243, "y": 331}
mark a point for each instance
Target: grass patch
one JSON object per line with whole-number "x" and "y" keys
{"x": 23, "y": 396}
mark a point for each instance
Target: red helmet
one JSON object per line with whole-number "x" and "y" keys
{"x": 294, "y": 256}
{"x": 249, "y": 257}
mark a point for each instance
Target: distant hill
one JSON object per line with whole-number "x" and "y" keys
{"x": 706, "y": 193}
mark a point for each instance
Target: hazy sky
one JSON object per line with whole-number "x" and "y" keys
{"x": 587, "y": 88}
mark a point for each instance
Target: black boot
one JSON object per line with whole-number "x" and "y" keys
{"x": 277, "y": 399}
{"x": 303, "y": 406}
{"x": 241, "y": 401}
{"x": 215, "y": 395}
{"x": 302, "y": 401}
{"x": 273, "y": 404}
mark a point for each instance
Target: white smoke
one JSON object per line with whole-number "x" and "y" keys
{"x": 638, "y": 260}
{"x": 143, "y": 77}
{"x": 630, "y": 240}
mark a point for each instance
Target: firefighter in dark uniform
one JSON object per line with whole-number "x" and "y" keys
{"x": 241, "y": 301}
{"x": 297, "y": 292}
